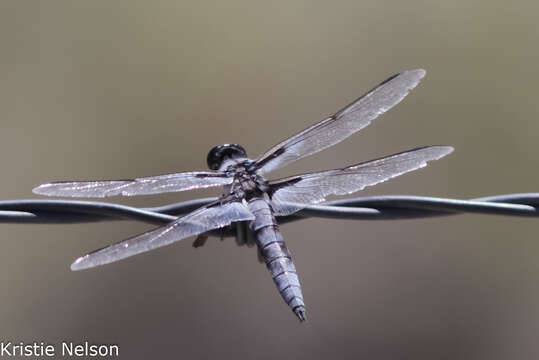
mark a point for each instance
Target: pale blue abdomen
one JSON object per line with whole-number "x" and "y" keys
{"x": 276, "y": 255}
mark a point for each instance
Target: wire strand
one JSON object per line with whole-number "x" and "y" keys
{"x": 386, "y": 207}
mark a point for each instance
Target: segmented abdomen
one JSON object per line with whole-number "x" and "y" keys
{"x": 276, "y": 255}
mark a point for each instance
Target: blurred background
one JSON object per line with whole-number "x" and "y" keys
{"x": 121, "y": 89}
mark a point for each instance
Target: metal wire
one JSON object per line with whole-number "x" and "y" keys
{"x": 387, "y": 207}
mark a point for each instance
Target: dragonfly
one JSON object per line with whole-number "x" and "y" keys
{"x": 250, "y": 199}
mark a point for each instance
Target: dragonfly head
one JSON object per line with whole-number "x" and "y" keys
{"x": 218, "y": 154}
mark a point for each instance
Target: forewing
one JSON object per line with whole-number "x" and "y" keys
{"x": 295, "y": 193}
{"x": 344, "y": 123}
{"x": 197, "y": 222}
{"x": 140, "y": 186}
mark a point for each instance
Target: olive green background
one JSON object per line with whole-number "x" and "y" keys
{"x": 118, "y": 89}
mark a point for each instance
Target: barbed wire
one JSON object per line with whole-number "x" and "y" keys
{"x": 386, "y": 207}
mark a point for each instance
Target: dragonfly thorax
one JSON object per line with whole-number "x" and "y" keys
{"x": 247, "y": 183}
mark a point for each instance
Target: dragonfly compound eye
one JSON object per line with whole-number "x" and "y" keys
{"x": 222, "y": 152}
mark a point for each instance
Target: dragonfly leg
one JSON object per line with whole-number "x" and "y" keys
{"x": 200, "y": 240}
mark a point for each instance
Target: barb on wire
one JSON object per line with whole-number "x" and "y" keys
{"x": 387, "y": 207}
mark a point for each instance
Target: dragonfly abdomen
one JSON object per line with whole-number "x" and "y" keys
{"x": 276, "y": 256}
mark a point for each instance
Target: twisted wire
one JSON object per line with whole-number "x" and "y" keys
{"x": 386, "y": 207}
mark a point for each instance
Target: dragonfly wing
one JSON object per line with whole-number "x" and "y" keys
{"x": 207, "y": 218}
{"x": 297, "y": 192}
{"x": 342, "y": 124}
{"x": 141, "y": 186}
